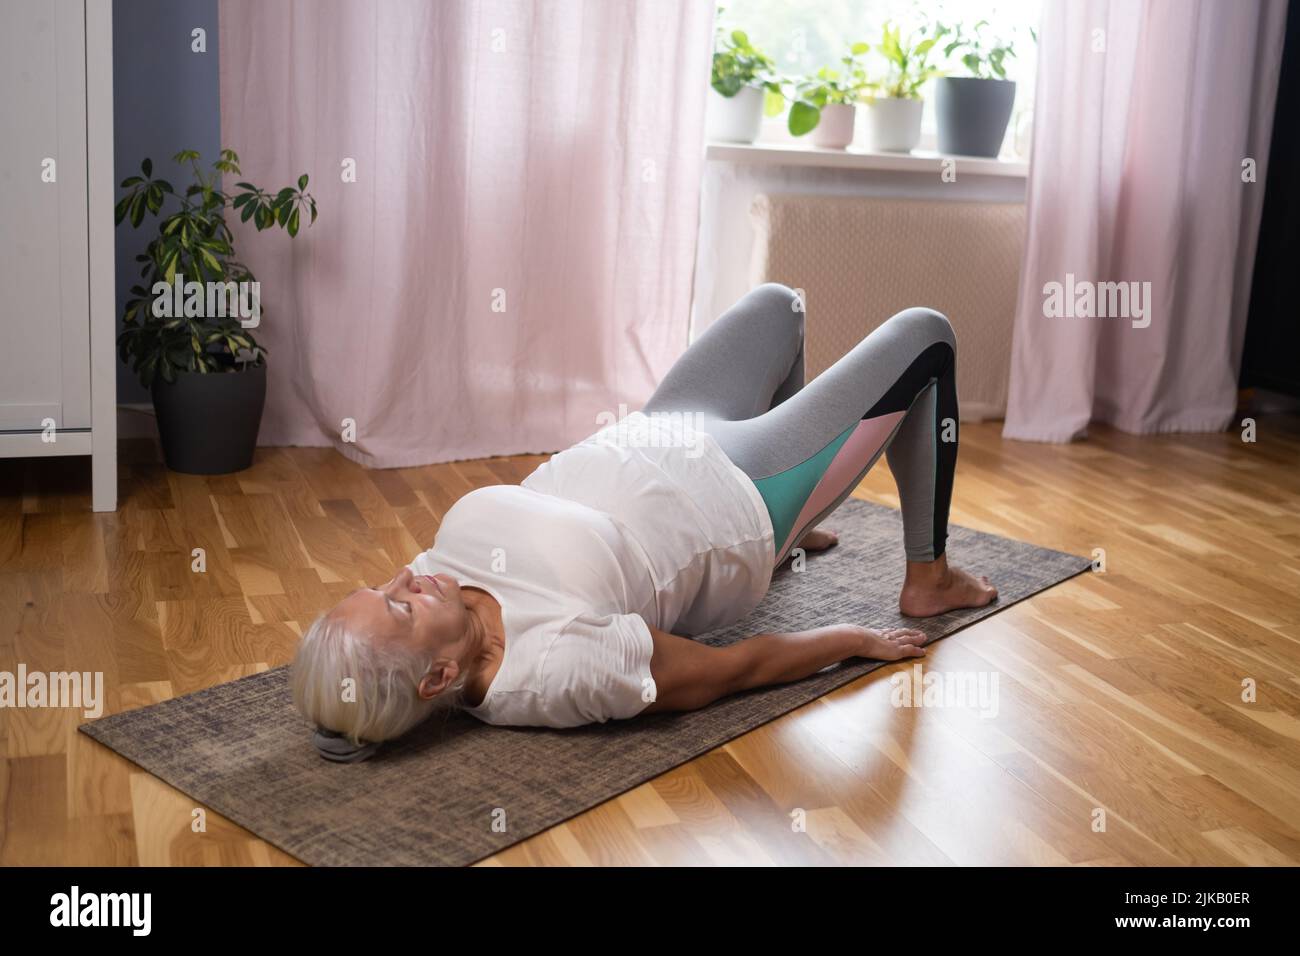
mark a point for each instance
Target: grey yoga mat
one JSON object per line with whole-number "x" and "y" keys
{"x": 242, "y": 750}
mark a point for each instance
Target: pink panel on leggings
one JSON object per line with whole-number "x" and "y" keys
{"x": 857, "y": 450}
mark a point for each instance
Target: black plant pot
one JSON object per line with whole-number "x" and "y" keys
{"x": 208, "y": 423}
{"x": 973, "y": 114}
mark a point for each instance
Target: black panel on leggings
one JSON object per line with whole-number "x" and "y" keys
{"x": 937, "y": 364}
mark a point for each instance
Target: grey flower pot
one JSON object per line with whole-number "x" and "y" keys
{"x": 973, "y": 114}
{"x": 208, "y": 423}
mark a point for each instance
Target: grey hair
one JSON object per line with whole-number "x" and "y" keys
{"x": 386, "y": 678}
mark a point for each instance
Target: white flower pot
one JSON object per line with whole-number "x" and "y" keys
{"x": 835, "y": 130}
{"x": 894, "y": 125}
{"x": 735, "y": 119}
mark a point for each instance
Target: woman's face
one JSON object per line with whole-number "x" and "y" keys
{"x": 423, "y": 612}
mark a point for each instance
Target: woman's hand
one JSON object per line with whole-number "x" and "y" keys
{"x": 891, "y": 645}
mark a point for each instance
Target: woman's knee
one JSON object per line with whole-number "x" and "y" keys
{"x": 927, "y": 325}
{"x": 773, "y": 298}
{"x": 772, "y": 318}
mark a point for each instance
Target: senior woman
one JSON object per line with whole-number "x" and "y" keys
{"x": 567, "y": 599}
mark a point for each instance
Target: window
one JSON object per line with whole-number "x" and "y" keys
{"x": 804, "y": 35}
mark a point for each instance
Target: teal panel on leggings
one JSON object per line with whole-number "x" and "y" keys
{"x": 786, "y": 492}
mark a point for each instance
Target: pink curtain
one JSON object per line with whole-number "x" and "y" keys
{"x": 515, "y": 255}
{"x": 1145, "y": 111}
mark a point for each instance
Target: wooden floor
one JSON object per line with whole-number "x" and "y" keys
{"x": 1121, "y": 694}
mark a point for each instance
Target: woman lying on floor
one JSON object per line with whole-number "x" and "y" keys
{"x": 559, "y": 602}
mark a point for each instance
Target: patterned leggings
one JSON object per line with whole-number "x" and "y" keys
{"x": 806, "y": 447}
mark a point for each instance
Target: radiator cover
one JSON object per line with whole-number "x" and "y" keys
{"x": 859, "y": 260}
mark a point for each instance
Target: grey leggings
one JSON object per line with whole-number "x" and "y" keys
{"x": 807, "y": 447}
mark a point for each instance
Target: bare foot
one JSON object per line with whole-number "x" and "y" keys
{"x": 819, "y": 539}
{"x": 932, "y": 588}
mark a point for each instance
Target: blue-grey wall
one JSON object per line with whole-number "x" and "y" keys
{"x": 165, "y": 99}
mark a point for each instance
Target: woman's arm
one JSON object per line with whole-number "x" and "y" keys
{"x": 689, "y": 675}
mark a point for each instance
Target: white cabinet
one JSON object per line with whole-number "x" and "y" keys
{"x": 57, "y": 362}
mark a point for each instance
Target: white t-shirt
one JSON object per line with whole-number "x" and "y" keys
{"x": 646, "y": 521}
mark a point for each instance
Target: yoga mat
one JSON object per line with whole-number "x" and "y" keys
{"x": 242, "y": 750}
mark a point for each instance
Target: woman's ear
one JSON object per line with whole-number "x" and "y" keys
{"x": 439, "y": 678}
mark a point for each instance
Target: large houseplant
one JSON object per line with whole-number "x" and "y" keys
{"x": 825, "y": 103}
{"x": 744, "y": 85}
{"x": 973, "y": 111}
{"x": 894, "y": 108}
{"x": 187, "y": 328}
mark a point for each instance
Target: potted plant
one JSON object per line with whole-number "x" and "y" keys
{"x": 895, "y": 105}
{"x": 186, "y": 331}
{"x": 826, "y": 101}
{"x": 744, "y": 85}
{"x": 973, "y": 111}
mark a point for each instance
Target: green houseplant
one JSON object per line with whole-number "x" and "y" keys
{"x": 973, "y": 111}
{"x": 894, "y": 105}
{"x": 187, "y": 326}
{"x": 826, "y": 101}
{"x": 744, "y": 85}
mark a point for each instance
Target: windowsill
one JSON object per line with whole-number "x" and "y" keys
{"x": 917, "y": 161}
